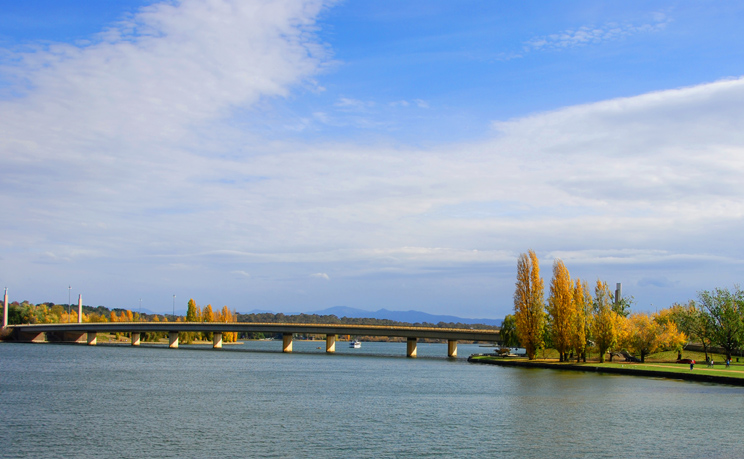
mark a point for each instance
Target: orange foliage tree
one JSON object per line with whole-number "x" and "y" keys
{"x": 562, "y": 309}
{"x": 529, "y": 308}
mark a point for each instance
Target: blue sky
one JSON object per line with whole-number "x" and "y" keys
{"x": 297, "y": 155}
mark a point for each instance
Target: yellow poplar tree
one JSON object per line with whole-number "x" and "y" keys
{"x": 208, "y": 315}
{"x": 199, "y": 335}
{"x": 561, "y": 308}
{"x": 226, "y": 316}
{"x": 582, "y": 319}
{"x": 529, "y": 308}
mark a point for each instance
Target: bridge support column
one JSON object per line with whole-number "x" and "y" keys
{"x": 411, "y": 345}
{"x": 135, "y": 338}
{"x": 217, "y": 340}
{"x": 452, "y": 348}
{"x": 92, "y": 338}
{"x": 287, "y": 342}
{"x": 173, "y": 340}
{"x": 330, "y": 344}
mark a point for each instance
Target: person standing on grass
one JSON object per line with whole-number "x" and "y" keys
{"x": 692, "y": 364}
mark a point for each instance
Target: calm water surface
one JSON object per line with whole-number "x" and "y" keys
{"x": 253, "y": 401}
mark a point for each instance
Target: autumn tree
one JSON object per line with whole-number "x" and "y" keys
{"x": 582, "y": 319}
{"x": 529, "y": 308}
{"x": 650, "y": 333}
{"x": 604, "y": 320}
{"x": 207, "y": 314}
{"x": 562, "y": 310}
{"x": 226, "y": 316}
{"x": 726, "y": 311}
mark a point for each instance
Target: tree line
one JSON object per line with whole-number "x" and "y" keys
{"x": 46, "y": 313}
{"x": 572, "y": 320}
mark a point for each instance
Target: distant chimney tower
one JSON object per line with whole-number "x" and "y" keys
{"x": 80, "y": 308}
{"x": 5, "y": 308}
{"x": 618, "y": 292}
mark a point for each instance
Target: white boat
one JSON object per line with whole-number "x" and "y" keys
{"x": 356, "y": 344}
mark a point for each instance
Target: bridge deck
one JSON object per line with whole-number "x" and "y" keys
{"x": 315, "y": 329}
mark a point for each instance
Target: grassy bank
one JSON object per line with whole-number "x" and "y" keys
{"x": 660, "y": 365}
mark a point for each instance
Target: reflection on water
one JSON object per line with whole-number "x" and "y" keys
{"x": 251, "y": 400}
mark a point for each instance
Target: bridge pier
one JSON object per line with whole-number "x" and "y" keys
{"x": 330, "y": 344}
{"x": 217, "y": 340}
{"x": 451, "y": 348}
{"x": 411, "y": 347}
{"x": 92, "y": 338}
{"x": 173, "y": 340}
{"x": 287, "y": 342}
{"x": 135, "y": 338}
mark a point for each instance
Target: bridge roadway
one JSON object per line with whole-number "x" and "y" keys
{"x": 87, "y": 331}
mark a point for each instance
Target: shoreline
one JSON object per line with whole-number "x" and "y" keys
{"x": 691, "y": 376}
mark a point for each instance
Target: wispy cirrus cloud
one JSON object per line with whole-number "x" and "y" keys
{"x": 586, "y": 35}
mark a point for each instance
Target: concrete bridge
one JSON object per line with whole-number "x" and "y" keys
{"x": 86, "y": 332}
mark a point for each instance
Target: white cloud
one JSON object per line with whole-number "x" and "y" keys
{"x": 124, "y": 161}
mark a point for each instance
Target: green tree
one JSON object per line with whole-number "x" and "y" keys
{"x": 529, "y": 306}
{"x": 508, "y": 332}
{"x": 726, "y": 310}
{"x": 694, "y": 322}
{"x": 188, "y": 337}
{"x": 191, "y": 311}
{"x": 604, "y": 320}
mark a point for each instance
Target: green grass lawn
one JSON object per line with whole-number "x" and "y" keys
{"x": 662, "y": 362}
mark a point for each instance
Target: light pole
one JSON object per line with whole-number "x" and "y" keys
{"x": 69, "y": 302}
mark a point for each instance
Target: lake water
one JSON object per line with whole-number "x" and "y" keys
{"x": 251, "y": 400}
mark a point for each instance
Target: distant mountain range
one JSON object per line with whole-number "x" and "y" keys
{"x": 399, "y": 316}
